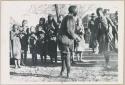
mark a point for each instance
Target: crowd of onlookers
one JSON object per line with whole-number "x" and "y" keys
{"x": 40, "y": 40}
{"x": 50, "y": 34}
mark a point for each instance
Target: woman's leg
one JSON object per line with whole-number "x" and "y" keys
{"x": 22, "y": 58}
{"x": 80, "y": 56}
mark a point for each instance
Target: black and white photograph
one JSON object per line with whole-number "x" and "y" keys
{"x": 64, "y": 42}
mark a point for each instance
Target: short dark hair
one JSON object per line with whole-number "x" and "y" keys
{"x": 42, "y": 19}
{"x": 50, "y": 15}
{"x": 72, "y": 9}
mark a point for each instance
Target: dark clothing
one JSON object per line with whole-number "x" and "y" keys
{"x": 40, "y": 27}
{"x": 32, "y": 42}
{"x": 40, "y": 46}
{"x": 52, "y": 39}
{"x": 91, "y": 26}
{"x": 24, "y": 35}
{"x": 103, "y": 35}
{"x": 24, "y": 38}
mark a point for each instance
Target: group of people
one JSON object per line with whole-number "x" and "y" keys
{"x": 67, "y": 34}
{"x": 103, "y": 31}
{"x": 111, "y": 34}
{"x": 41, "y": 40}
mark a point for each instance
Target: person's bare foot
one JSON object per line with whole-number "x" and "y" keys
{"x": 23, "y": 64}
{"x": 15, "y": 67}
{"x": 67, "y": 75}
{"x": 61, "y": 73}
{"x": 19, "y": 66}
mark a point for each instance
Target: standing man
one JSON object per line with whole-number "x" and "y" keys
{"x": 24, "y": 33}
{"x": 92, "y": 42}
{"x": 66, "y": 38}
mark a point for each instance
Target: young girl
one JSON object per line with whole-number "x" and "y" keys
{"x": 79, "y": 46}
{"x": 16, "y": 49}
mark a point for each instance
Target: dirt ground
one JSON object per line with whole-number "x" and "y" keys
{"x": 80, "y": 71}
{"x": 92, "y": 69}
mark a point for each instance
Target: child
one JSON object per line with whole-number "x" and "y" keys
{"x": 24, "y": 33}
{"x": 16, "y": 49}
{"x": 32, "y": 44}
{"x": 79, "y": 46}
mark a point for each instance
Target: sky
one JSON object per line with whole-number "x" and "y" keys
{"x": 32, "y": 11}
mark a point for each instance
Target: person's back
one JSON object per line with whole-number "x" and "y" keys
{"x": 67, "y": 29}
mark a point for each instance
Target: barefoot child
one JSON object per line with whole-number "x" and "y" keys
{"x": 16, "y": 49}
{"x": 79, "y": 46}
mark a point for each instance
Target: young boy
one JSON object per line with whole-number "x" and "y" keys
{"x": 32, "y": 45}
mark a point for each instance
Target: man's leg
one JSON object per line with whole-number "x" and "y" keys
{"x": 68, "y": 63}
{"x": 63, "y": 56}
{"x": 72, "y": 56}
